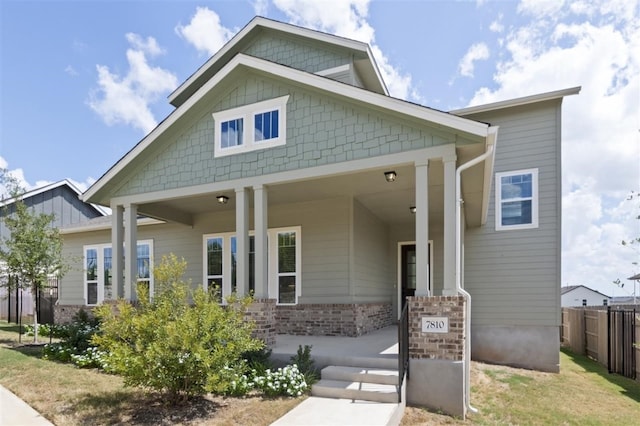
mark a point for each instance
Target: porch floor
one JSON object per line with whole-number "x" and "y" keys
{"x": 378, "y": 349}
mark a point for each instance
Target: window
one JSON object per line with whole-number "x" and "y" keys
{"x": 214, "y": 267}
{"x": 231, "y": 133}
{"x": 517, "y": 199}
{"x": 220, "y": 252}
{"x": 287, "y": 267}
{"x": 98, "y": 264}
{"x": 266, "y": 127}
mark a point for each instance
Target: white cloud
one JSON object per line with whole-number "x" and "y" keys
{"x": 205, "y": 32}
{"x": 496, "y": 26}
{"x": 126, "y": 99}
{"x": 595, "y": 45}
{"x": 260, "y": 7}
{"x": 477, "y": 52}
{"x": 349, "y": 19}
{"x": 71, "y": 71}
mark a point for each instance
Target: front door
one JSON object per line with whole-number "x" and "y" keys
{"x": 408, "y": 271}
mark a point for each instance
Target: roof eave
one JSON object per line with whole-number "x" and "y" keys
{"x": 510, "y": 103}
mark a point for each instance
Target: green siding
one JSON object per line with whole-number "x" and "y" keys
{"x": 320, "y": 130}
{"x": 514, "y": 276}
{"x": 305, "y": 56}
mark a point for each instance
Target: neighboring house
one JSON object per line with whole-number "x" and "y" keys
{"x": 286, "y": 169}
{"x": 62, "y": 199}
{"x": 580, "y": 295}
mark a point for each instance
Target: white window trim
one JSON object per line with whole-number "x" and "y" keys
{"x": 273, "y": 263}
{"x": 534, "y": 200}
{"x": 100, "y": 272}
{"x": 248, "y": 113}
{"x": 272, "y": 237}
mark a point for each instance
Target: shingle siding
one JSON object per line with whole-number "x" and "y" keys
{"x": 320, "y": 130}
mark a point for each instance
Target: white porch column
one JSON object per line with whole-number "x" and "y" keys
{"x": 130, "y": 251}
{"x": 422, "y": 228}
{"x": 260, "y": 212}
{"x": 242, "y": 241}
{"x": 117, "y": 241}
{"x": 449, "y": 246}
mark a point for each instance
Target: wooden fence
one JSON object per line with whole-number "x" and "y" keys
{"x": 596, "y": 333}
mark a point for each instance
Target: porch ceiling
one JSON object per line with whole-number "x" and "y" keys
{"x": 389, "y": 201}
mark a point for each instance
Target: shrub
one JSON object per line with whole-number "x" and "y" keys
{"x": 287, "y": 381}
{"x": 305, "y": 364}
{"x": 172, "y": 345}
{"x": 75, "y": 342}
{"x": 258, "y": 361}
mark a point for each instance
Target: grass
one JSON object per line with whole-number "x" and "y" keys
{"x": 583, "y": 393}
{"x": 67, "y": 395}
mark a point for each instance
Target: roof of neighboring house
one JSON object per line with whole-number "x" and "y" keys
{"x": 570, "y": 288}
{"x": 64, "y": 182}
{"x": 365, "y": 64}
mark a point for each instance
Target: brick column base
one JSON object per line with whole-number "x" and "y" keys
{"x": 436, "y": 354}
{"x": 263, "y": 313}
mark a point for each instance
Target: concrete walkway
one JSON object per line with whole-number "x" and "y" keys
{"x": 16, "y": 412}
{"x": 315, "y": 411}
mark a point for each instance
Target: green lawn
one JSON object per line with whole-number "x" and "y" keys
{"x": 583, "y": 393}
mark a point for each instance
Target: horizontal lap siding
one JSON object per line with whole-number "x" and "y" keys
{"x": 372, "y": 280}
{"x": 513, "y": 276}
{"x": 325, "y": 245}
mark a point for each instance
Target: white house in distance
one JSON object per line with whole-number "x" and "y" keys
{"x": 286, "y": 170}
{"x": 580, "y": 295}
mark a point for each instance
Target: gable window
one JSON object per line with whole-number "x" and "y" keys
{"x": 220, "y": 270}
{"x": 231, "y": 133}
{"x": 517, "y": 199}
{"x": 98, "y": 266}
{"x": 265, "y": 127}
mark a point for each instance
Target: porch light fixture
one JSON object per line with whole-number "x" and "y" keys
{"x": 390, "y": 176}
{"x": 412, "y": 209}
{"x": 222, "y": 199}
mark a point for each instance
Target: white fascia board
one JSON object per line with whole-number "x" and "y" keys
{"x": 510, "y": 103}
{"x": 102, "y": 226}
{"x": 280, "y": 71}
{"x": 275, "y": 25}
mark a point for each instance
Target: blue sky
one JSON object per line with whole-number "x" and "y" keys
{"x": 81, "y": 82}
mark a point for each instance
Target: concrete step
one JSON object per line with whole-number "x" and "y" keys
{"x": 363, "y": 391}
{"x": 358, "y": 374}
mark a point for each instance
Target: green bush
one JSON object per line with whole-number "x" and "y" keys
{"x": 75, "y": 342}
{"x": 305, "y": 364}
{"x": 182, "y": 343}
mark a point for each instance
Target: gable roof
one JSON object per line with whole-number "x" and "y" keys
{"x": 570, "y": 288}
{"x": 241, "y": 62}
{"x": 49, "y": 187}
{"x": 366, "y": 67}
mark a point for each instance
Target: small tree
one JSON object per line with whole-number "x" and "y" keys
{"x": 33, "y": 250}
{"x": 182, "y": 343}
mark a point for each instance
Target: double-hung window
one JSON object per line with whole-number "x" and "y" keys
{"x": 250, "y": 127}
{"x": 284, "y": 255}
{"x": 517, "y": 199}
{"x": 98, "y": 271}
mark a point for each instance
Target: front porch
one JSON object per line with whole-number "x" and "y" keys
{"x": 378, "y": 349}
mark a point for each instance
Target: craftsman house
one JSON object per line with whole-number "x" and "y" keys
{"x": 287, "y": 170}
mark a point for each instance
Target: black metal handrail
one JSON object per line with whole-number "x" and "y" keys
{"x": 403, "y": 348}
